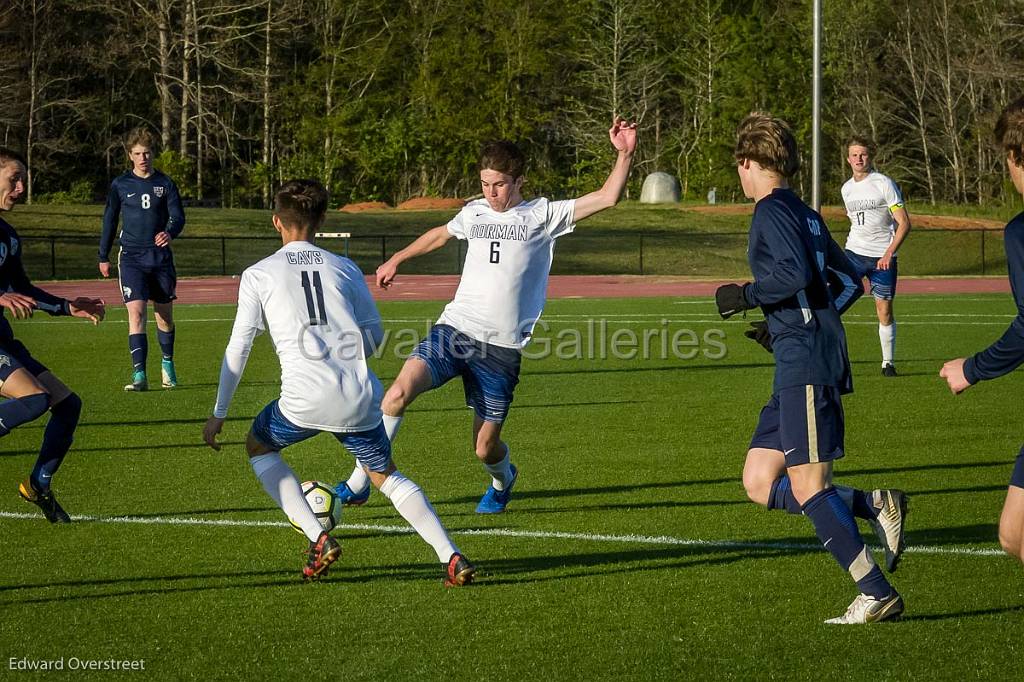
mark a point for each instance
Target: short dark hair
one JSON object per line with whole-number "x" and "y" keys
{"x": 503, "y": 156}
{"x": 301, "y": 203}
{"x": 1010, "y": 131}
{"x": 861, "y": 141}
{"x": 769, "y": 141}
{"x": 139, "y": 136}
{"x": 7, "y": 155}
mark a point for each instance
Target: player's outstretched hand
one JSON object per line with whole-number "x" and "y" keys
{"x": 211, "y": 430}
{"x": 20, "y": 305}
{"x": 623, "y": 135}
{"x": 105, "y": 269}
{"x": 90, "y": 308}
{"x": 953, "y": 373}
{"x": 386, "y": 274}
{"x": 760, "y": 333}
{"x": 730, "y": 300}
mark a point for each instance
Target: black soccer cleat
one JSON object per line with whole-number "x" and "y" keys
{"x": 458, "y": 571}
{"x": 51, "y": 508}
{"x": 321, "y": 554}
{"x": 888, "y": 370}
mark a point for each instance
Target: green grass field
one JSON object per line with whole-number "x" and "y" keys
{"x": 628, "y": 552}
{"x": 630, "y": 239}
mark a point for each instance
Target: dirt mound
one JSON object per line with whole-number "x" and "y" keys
{"x": 836, "y": 217}
{"x": 364, "y": 206}
{"x": 430, "y": 204}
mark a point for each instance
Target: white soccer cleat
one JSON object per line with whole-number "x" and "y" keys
{"x": 866, "y": 609}
{"x": 890, "y": 524}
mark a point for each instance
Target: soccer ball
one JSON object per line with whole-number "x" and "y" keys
{"x": 324, "y": 504}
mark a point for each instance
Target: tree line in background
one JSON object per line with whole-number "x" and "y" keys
{"x": 390, "y": 99}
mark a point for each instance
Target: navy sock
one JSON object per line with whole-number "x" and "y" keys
{"x": 838, "y": 532}
{"x": 57, "y": 438}
{"x": 138, "y": 347}
{"x": 861, "y": 503}
{"x": 781, "y": 496}
{"x": 166, "y": 340}
{"x": 17, "y": 411}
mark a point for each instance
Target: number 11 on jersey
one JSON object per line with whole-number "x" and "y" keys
{"x": 317, "y": 310}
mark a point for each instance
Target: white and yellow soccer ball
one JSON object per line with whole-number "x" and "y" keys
{"x": 324, "y": 504}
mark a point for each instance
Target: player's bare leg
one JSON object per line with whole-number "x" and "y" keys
{"x": 164, "y": 313}
{"x": 413, "y": 379}
{"x": 495, "y": 455}
{"x": 761, "y": 469}
{"x": 886, "y": 335}
{"x": 1011, "y": 523}
{"x": 138, "y": 346}
{"x": 411, "y": 502}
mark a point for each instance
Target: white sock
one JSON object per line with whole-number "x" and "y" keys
{"x": 279, "y": 481}
{"x": 358, "y": 481}
{"x": 415, "y": 508}
{"x": 887, "y": 335}
{"x": 391, "y": 425}
{"x": 501, "y": 472}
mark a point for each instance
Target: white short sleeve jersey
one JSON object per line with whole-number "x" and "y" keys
{"x": 505, "y": 279}
{"x": 870, "y": 204}
{"x": 315, "y": 305}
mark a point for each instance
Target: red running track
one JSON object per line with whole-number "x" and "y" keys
{"x": 442, "y": 287}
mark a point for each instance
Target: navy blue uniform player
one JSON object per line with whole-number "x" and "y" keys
{"x": 802, "y": 281}
{"x": 30, "y": 389}
{"x": 1007, "y": 353}
{"x": 149, "y": 206}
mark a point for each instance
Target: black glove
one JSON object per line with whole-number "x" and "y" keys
{"x": 760, "y": 333}
{"x": 730, "y": 300}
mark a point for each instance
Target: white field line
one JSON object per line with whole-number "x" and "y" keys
{"x": 767, "y": 546}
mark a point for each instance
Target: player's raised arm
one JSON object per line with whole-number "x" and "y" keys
{"x": 431, "y": 240}
{"x": 623, "y": 138}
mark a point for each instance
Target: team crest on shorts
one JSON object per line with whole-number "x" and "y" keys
{"x": 127, "y": 292}
{"x": 158, "y": 190}
{"x": 4, "y": 361}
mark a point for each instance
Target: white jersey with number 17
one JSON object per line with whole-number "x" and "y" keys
{"x": 504, "y": 282}
{"x": 316, "y": 306}
{"x": 869, "y": 204}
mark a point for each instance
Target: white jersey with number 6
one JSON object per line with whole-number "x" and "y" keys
{"x": 869, "y": 204}
{"x": 505, "y": 279}
{"x": 316, "y": 306}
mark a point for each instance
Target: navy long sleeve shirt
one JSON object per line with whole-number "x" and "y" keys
{"x": 146, "y": 206}
{"x": 13, "y": 278}
{"x": 802, "y": 282}
{"x": 1007, "y": 353}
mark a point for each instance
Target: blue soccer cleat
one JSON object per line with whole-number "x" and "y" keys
{"x": 494, "y": 501}
{"x": 139, "y": 382}
{"x": 168, "y": 377}
{"x": 348, "y": 497}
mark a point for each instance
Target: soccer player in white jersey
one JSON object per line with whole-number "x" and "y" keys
{"x": 879, "y": 223}
{"x": 481, "y": 333}
{"x": 324, "y": 325}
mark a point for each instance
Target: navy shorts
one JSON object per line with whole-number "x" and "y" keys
{"x": 489, "y": 373}
{"x": 883, "y": 282}
{"x": 805, "y": 423}
{"x": 147, "y": 275}
{"x": 14, "y": 355}
{"x": 1017, "y": 477}
{"x": 372, "y": 449}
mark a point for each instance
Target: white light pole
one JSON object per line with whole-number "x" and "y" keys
{"x": 816, "y": 112}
